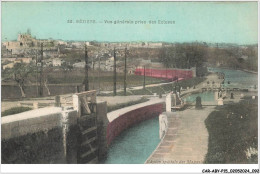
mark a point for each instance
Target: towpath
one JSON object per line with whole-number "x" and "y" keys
{"x": 186, "y": 141}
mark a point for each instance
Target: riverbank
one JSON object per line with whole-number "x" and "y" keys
{"x": 245, "y": 70}
{"x": 158, "y": 88}
{"x": 253, "y": 72}
{"x": 237, "y": 125}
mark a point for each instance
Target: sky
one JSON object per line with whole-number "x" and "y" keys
{"x": 214, "y": 22}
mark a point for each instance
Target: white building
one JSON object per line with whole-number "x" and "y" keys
{"x": 17, "y": 59}
{"x": 9, "y": 65}
{"x": 57, "y": 62}
{"x": 79, "y": 65}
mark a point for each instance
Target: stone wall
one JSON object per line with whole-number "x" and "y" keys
{"x": 48, "y": 135}
{"x": 132, "y": 117}
{"x": 39, "y": 136}
{"x": 102, "y": 123}
{"x": 51, "y": 135}
{"x": 163, "y": 125}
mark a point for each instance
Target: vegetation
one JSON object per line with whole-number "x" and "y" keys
{"x": 20, "y": 74}
{"x": 170, "y": 87}
{"x": 15, "y": 110}
{"x": 187, "y": 55}
{"x": 234, "y": 57}
{"x": 233, "y": 134}
{"x": 122, "y": 105}
{"x": 149, "y": 53}
{"x": 106, "y": 79}
{"x": 162, "y": 89}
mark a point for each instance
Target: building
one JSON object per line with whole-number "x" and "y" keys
{"x": 57, "y": 62}
{"x": 24, "y": 59}
{"x": 60, "y": 42}
{"x": 48, "y": 62}
{"x": 17, "y": 59}
{"x": 51, "y": 53}
{"x": 9, "y": 65}
{"x": 146, "y": 61}
{"x": 26, "y": 41}
{"x": 79, "y": 65}
{"x": 154, "y": 45}
{"x": 109, "y": 64}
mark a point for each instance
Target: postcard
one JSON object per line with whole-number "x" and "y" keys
{"x": 164, "y": 84}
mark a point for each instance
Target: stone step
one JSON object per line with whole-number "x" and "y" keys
{"x": 88, "y": 130}
{"x": 88, "y": 141}
{"x": 87, "y": 153}
{"x": 88, "y": 116}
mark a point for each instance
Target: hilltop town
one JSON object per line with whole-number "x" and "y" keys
{"x": 59, "y": 53}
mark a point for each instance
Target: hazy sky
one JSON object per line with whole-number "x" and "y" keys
{"x": 229, "y": 22}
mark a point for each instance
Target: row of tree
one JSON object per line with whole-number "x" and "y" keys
{"x": 187, "y": 55}
{"x": 23, "y": 74}
{"x": 183, "y": 55}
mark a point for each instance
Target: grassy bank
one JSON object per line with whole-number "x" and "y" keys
{"x": 105, "y": 80}
{"x": 162, "y": 89}
{"x": 233, "y": 134}
{"x": 169, "y": 87}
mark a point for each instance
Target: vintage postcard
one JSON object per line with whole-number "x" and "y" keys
{"x": 171, "y": 83}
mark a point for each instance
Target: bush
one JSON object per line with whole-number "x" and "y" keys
{"x": 15, "y": 110}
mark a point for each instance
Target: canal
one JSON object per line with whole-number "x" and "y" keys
{"x": 237, "y": 78}
{"x": 207, "y": 96}
{"x": 136, "y": 144}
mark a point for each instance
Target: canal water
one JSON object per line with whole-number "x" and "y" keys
{"x": 237, "y": 78}
{"x": 207, "y": 96}
{"x": 136, "y": 144}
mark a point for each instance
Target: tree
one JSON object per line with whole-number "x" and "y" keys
{"x": 46, "y": 71}
{"x": 184, "y": 55}
{"x": 20, "y": 73}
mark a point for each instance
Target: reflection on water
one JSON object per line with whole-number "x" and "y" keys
{"x": 237, "y": 78}
{"x": 205, "y": 96}
{"x": 136, "y": 144}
